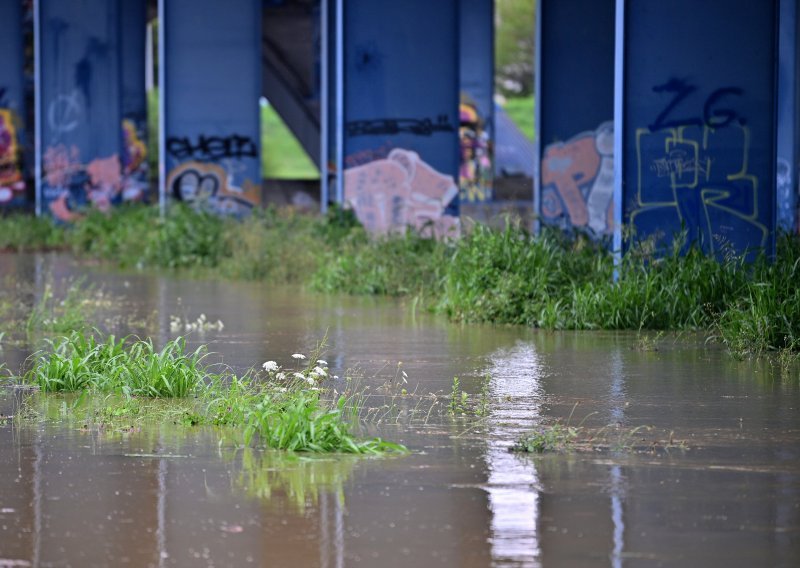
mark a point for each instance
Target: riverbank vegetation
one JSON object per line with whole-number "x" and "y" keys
{"x": 119, "y": 383}
{"x": 508, "y": 276}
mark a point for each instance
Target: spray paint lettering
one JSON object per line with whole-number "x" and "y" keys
{"x": 392, "y": 126}
{"x": 578, "y": 181}
{"x": 12, "y": 183}
{"x": 399, "y": 191}
{"x": 476, "y": 172}
{"x": 693, "y": 173}
{"x": 210, "y": 187}
{"x": 212, "y": 148}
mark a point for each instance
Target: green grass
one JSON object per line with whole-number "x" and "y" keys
{"x": 521, "y": 110}
{"x": 282, "y": 156}
{"x": 289, "y": 410}
{"x": 551, "y": 281}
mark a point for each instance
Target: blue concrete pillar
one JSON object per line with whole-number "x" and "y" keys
{"x": 78, "y": 106}
{"x": 400, "y": 144}
{"x": 696, "y": 88}
{"x": 788, "y": 118}
{"x": 476, "y": 129}
{"x": 574, "y": 185}
{"x": 12, "y": 105}
{"x": 133, "y": 29}
{"x": 211, "y": 71}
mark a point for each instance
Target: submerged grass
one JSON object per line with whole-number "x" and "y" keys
{"x": 281, "y": 409}
{"x": 509, "y": 276}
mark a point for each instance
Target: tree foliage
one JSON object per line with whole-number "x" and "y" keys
{"x": 514, "y": 46}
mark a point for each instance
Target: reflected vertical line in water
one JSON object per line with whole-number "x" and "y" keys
{"x": 512, "y": 484}
{"x": 163, "y": 318}
{"x": 37, "y": 501}
{"x": 617, "y": 395}
{"x": 617, "y": 515}
{"x": 324, "y": 529}
{"x": 161, "y": 531}
{"x": 338, "y": 542}
{"x": 617, "y": 399}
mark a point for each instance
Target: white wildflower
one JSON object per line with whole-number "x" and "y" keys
{"x": 299, "y": 376}
{"x": 280, "y": 376}
{"x": 298, "y": 356}
{"x": 270, "y": 366}
{"x": 310, "y": 380}
{"x": 322, "y": 362}
{"x": 320, "y": 371}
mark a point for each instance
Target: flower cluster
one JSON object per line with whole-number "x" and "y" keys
{"x": 314, "y": 373}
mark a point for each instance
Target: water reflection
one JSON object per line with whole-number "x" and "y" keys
{"x": 173, "y": 498}
{"x": 513, "y": 484}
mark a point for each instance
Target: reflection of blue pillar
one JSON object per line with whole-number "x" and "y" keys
{"x": 12, "y": 105}
{"x": 574, "y": 186}
{"x": 698, "y": 122}
{"x": 788, "y": 118}
{"x": 78, "y": 100}
{"x": 477, "y": 100}
{"x": 134, "y": 98}
{"x": 212, "y": 70}
{"x": 401, "y": 92}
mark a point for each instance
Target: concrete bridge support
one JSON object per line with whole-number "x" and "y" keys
{"x": 13, "y": 131}
{"x": 695, "y": 122}
{"x": 210, "y": 84}
{"x": 397, "y": 117}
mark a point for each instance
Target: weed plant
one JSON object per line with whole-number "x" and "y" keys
{"x": 281, "y": 409}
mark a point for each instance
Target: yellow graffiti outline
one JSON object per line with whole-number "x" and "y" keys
{"x": 709, "y": 197}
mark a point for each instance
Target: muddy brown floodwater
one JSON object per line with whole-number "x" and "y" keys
{"x": 726, "y": 492}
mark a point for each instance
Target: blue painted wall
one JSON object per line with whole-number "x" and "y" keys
{"x": 401, "y": 85}
{"x": 79, "y": 106}
{"x": 699, "y": 121}
{"x": 576, "y": 100}
{"x": 12, "y": 105}
{"x": 477, "y": 100}
{"x": 213, "y": 83}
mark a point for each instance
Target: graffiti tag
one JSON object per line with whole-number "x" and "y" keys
{"x": 211, "y": 148}
{"x": 416, "y": 126}
{"x": 712, "y": 117}
{"x": 65, "y": 112}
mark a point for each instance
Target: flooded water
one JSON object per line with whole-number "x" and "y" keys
{"x": 700, "y": 464}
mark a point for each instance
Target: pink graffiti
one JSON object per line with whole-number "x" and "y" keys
{"x": 399, "y": 191}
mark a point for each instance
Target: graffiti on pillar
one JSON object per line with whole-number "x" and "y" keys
{"x": 693, "y": 172}
{"x": 578, "y": 181}
{"x": 476, "y": 171}
{"x": 134, "y": 162}
{"x": 208, "y": 168}
{"x": 70, "y": 185}
{"x": 210, "y": 187}
{"x": 212, "y": 148}
{"x": 12, "y": 182}
{"x": 392, "y": 126}
{"x": 401, "y": 190}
